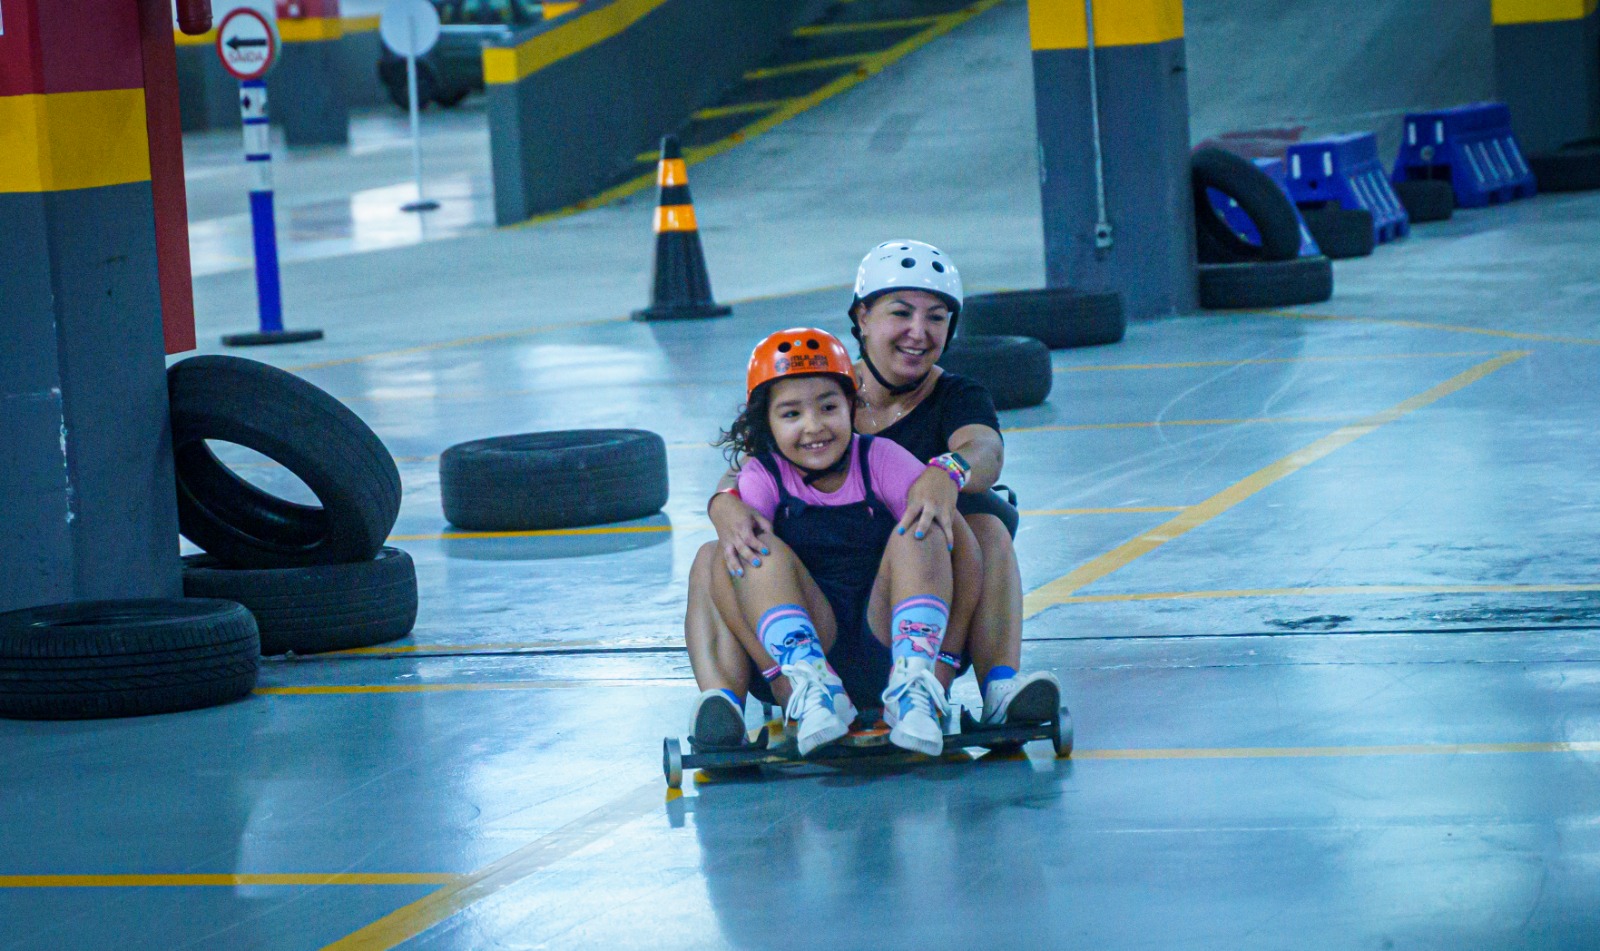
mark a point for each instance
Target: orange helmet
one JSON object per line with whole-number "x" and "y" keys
{"x": 798, "y": 351}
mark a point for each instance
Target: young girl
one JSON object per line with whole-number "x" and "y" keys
{"x": 844, "y": 602}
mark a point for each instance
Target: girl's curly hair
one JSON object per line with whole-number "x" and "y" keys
{"x": 751, "y": 434}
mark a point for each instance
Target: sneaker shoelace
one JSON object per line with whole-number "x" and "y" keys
{"x": 809, "y": 692}
{"x": 924, "y": 693}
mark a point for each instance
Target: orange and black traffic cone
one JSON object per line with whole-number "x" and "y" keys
{"x": 682, "y": 286}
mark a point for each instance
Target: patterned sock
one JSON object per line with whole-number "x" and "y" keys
{"x": 1000, "y": 672}
{"x": 918, "y": 628}
{"x": 789, "y": 636}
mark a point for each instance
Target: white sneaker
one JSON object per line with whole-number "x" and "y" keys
{"x": 716, "y": 723}
{"x": 914, "y": 707}
{"x": 1029, "y": 698}
{"x": 823, "y": 714}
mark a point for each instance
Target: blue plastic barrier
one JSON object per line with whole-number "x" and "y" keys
{"x": 1346, "y": 170}
{"x": 1470, "y": 146}
{"x": 1240, "y": 222}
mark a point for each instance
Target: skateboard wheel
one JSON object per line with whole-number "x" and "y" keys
{"x": 1063, "y": 737}
{"x": 672, "y": 762}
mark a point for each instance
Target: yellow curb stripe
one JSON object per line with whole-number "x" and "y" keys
{"x": 1430, "y": 325}
{"x": 367, "y": 24}
{"x": 509, "y": 64}
{"x": 1203, "y": 512}
{"x": 1309, "y": 752}
{"x": 739, "y": 109}
{"x": 310, "y": 29}
{"x": 868, "y": 68}
{"x": 868, "y": 26}
{"x": 70, "y": 140}
{"x": 809, "y": 66}
{"x": 1510, "y": 12}
{"x": 1335, "y": 358}
{"x": 1334, "y": 591}
{"x": 311, "y": 880}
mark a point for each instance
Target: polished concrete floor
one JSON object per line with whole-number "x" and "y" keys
{"x": 1319, "y": 584}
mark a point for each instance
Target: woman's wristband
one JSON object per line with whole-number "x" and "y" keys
{"x": 952, "y": 465}
{"x": 733, "y": 491}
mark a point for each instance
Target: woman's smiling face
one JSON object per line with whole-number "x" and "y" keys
{"x": 810, "y": 420}
{"x": 904, "y": 332}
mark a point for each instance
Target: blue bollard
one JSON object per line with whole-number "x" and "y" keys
{"x": 1472, "y": 147}
{"x": 1345, "y": 170}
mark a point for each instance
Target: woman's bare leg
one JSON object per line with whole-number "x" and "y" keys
{"x": 995, "y": 635}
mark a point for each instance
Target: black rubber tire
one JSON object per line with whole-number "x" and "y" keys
{"x": 316, "y": 609}
{"x": 302, "y": 428}
{"x": 1015, "y": 370}
{"x": 1266, "y": 283}
{"x": 564, "y": 479}
{"x": 1426, "y": 199}
{"x": 450, "y": 98}
{"x": 392, "y": 73}
{"x": 1341, "y": 232}
{"x": 94, "y": 659}
{"x": 1575, "y": 167}
{"x": 1259, "y": 197}
{"x": 1060, "y": 317}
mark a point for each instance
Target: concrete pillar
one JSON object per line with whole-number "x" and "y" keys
{"x": 1547, "y": 69}
{"x": 1148, "y": 254}
{"x": 87, "y": 499}
{"x": 305, "y": 88}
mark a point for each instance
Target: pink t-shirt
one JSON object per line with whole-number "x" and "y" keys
{"x": 893, "y": 471}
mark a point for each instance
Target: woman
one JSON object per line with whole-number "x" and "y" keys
{"x": 907, "y": 301}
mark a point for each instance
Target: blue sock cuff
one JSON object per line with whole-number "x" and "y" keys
{"x": 1000, "y": 672}
{"x": 738, "y": 701}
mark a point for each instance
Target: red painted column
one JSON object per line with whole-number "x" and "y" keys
{"x": 165, "y": 131}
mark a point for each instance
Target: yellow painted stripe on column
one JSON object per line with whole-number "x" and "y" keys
{"x": 360, "y": 24}
{"x": 1061, "y": 24}
{"x": 311, "y": 29}
{"x": 207, "y": 38}
{"x": 1508, "y": 12}
{"x": 507, "y": 64}
{"x": 672, "y": 172}
{"x": 675, "y": 218}
{"x": 67, "y": 140}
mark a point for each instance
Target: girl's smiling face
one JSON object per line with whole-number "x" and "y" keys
{"x": 810, "y": 418}
{"x": 904, "y": 332}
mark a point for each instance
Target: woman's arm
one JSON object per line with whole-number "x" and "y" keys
{"x": 985, "y": 453}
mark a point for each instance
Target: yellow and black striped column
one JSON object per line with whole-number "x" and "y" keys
{"x": 87, "y": 498}
{"x": 681, "y": 287}
{"x": 1118, "y": 217}
{"x": 1547, "y": 69}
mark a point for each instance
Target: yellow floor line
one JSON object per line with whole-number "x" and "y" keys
{"x": 1296, "y": 752}
{"x": 547, "y": 533}
{"x": 400, "y": 926}
{"x": 869, "y": 26}
{"x": 809, "y": 66}
{"x": 312, "y": 880}
{"x": 1203, "y": 512}
{"x": 737, "y": 109}
{"x": 477, "y": 686}
{"x": 1159, "y": 423}
{"x": 695, "y": 155}
{"x": 1115, "y": 510}
{"x": 1430, "y": 325}
{"x": 1333, "y": 591}
{"x": 1340, "y": 358}
{"x": 529, "y": 646}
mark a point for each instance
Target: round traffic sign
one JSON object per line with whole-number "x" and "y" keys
{"x": 409, "y": 27}
{"x": 246, "y": 43}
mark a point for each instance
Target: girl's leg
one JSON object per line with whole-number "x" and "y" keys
{"x": 910, "y": 611}
{"x": 785, "y": 625}
{"x": 715, "y": 654}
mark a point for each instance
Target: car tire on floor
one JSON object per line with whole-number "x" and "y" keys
{"x": 1341, "y": 232}
{"x": 1575, "y": 167}
{"x": 303, "y": 429}
{"x": 1266, "y": 283}
{"x": 93, "y": 659}
{"x": 1015, "y": 370}
{"x": 564, "y": 479}
{"x": 1266, "y": 204}
{"x": 1426, "y": 199}
{"x": 318, "y": 608}
{"x": 1060, "y": 317}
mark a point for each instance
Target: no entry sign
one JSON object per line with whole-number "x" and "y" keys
{"x": 246, "y": 44}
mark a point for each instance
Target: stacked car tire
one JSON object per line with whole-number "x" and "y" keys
{"x": 1234, "y": 272}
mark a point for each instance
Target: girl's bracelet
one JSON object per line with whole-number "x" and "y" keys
{"x": 734, "y": 491}
{"x": 772, "y": 673}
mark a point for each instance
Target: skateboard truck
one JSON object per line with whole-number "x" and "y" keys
{"x": 961, "y": 730}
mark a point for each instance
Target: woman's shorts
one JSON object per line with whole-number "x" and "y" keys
{"x": 989, "y": 503}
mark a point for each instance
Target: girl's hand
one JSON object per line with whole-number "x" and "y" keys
{"x": 739, "y": 528}
{"x": 931, "y": 501}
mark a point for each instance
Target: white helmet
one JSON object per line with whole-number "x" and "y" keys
{"x": 907, "y": 265}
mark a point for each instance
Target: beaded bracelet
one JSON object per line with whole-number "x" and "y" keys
{"x": 948, "y": 464}
{"x": 950, "y": 659}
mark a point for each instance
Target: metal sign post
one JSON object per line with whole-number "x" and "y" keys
{"x": 247, "y": 44}
{"x": 410, "y": 28}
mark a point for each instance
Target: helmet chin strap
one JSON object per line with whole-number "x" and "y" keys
{"x": 894, "y": 390}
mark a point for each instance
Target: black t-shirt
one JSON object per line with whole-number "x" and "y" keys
{"x": 956, "y": 401}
